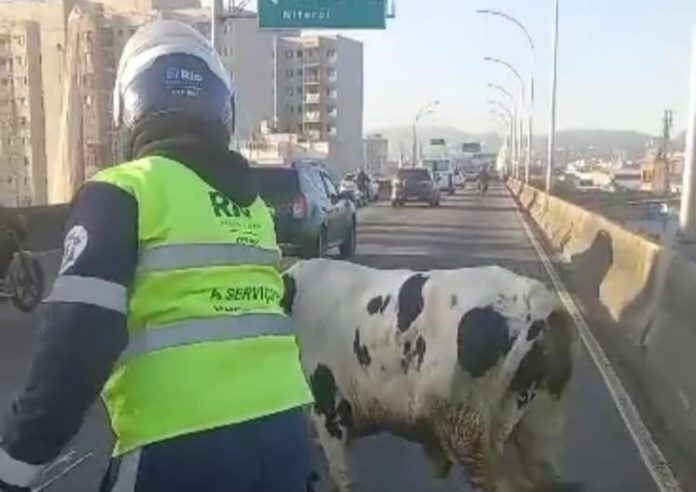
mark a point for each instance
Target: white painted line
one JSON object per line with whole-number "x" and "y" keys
{"x": 65, "y": 458}
{"x": 63, "y": 473}
{"x": 652, "y": 456}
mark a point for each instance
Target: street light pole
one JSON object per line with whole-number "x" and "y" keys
{"x": 520, "y": 135}
{"x": 687, "y": 218}
{"x": 554, "y": 89}
{"x": 428, "y": 108}
{"x": 514, "y": 129}
{"x": 507, "y": 145}
{"x": 530, "y": 40}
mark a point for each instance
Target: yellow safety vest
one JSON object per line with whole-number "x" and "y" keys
{"x": 209, "y": 344}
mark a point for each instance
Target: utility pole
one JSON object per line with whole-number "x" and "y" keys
{"x": 217, "y": 20}
{"x": 687, "y": 218}
{"x": 662, "y": 158}
{"x": 554, "y": 89}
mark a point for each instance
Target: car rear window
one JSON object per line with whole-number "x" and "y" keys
{"x": 276, "y": 183}
{"x": 413, "y": 174}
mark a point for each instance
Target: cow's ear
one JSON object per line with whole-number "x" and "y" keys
{"x": 289, "y": 293}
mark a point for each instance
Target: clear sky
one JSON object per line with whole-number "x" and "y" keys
{"x": 621, "y": 63}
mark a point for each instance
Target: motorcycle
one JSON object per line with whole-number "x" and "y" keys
{"x": 24, "y": 280}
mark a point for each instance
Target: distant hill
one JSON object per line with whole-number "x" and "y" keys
{"x": 577, "y": 143}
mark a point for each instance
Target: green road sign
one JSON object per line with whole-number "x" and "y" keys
{"x": 320, "y": 14}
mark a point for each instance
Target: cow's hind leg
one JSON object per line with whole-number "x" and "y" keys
{"x": 332, "y": 419}
{"x": 464, "y": 434}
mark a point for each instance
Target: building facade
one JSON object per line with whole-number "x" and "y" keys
{"x": 376, "y": 150}
{"x": 319, "y": 93}
{"x": 71, "y": 56}
{"x": 23, "y": 178}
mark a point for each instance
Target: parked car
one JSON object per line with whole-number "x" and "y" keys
{"x": 417, "y": 184}
{"x": 311, "y": 215}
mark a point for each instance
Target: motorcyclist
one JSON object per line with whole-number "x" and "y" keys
{"x": 483, "y": 179}
{"x": 11, "y": 220}
{"x": 363, "y": 181}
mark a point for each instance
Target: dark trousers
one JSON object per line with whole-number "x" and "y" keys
{"x": 271, "y": 454}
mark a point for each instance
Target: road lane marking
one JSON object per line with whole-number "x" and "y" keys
{"x": 652, "y": 456}
{"x": 61, "y": 459}
{"x": 48, "y": 483}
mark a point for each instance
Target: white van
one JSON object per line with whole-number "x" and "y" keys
{"x": 444, "y": 173}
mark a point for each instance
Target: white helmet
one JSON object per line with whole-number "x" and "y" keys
{"x": 169, "y": 68}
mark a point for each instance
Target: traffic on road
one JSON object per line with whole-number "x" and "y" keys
{"x": 466, "y": 231}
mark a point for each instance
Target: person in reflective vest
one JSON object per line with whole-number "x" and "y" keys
{"x": 168, "y": 300}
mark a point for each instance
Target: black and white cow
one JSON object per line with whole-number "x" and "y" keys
{"x": 473, "y": 364}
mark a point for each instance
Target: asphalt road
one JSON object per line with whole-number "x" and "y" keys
{"x": 466, "y": 230}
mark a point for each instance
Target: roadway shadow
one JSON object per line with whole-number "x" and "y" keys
{"x": 590, "y": 267}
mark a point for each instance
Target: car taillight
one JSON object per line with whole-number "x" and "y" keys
{"x": 299, "y": 207}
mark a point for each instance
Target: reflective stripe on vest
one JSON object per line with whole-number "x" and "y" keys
{"x": 89, "y": 290}
{"x": 219, "y": 329}
{"x": 179, "y": 256}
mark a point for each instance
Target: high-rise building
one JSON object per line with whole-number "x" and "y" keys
{"x": 319, "y": 93}
{"x": 376, "y": 149}
{"x": 22, "y": 129}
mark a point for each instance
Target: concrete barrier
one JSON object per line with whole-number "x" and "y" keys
{"x": 640, "y": 300}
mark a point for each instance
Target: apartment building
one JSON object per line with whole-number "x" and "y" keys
{"x": 22, "y": 129}
{"x": 319, "y": 93}
{"x": 376, "y": 152}
{"x": 87, "y": 48}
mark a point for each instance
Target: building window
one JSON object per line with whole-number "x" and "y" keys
{"x": 331, "y": 72}
{"x": 331, "y": 54}
{"x": 27, "y": 162}
{"x": 299, "y": 91}
{"x": 299, "y": 72}
{"x": 289, "y": 73}
{"x": 22, "y": 120}
{"x": 299, "y": 108}
{"x": 290, "y": 91}
{"x": 291, "y": 109}
{"x": 88, "y": 100}
{"x": 19, "y": 40}
{"x": 288, "y": 54}
{"x": 25, "y": 81}
{"x": 22, "y": 101}
{"x": 19, "y": 61}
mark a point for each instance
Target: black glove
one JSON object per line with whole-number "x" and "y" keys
{"x": 6, "y": 487}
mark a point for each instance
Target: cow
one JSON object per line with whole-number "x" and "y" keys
{"x": 473, "y": 364}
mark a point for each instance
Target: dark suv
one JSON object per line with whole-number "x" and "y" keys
{"x": 415, "y": 184}
{"x": 311, "y": 216}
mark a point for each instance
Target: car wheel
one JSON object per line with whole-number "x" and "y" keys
{"x": 348, "y": 247}
{"x": 318, "y": 248}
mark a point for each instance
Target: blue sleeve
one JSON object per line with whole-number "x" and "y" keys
{"x": 83, "y": 329}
